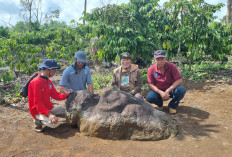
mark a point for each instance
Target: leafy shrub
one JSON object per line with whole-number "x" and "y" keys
{"x": 207, "y": 70}
{"x": 17, "y": 89}
{"x": 6, "y": 77}
{"x": 100, "y": 81}
{"x": 144, "y": 75}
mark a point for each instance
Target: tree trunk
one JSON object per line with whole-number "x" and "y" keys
{"x": 30, "y": 10}
{"x": 179, "y": 55}
{"x": 85, "y": 11}
{"x": 229, "y": 11}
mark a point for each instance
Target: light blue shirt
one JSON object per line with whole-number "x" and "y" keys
{"x": 76, "y": 81}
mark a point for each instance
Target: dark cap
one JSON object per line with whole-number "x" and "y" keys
{"x": 49, "y": 64}
{"x": 125, "y": 55}
{"x": 81, "y": 56}
{"x": 159, "y": 53}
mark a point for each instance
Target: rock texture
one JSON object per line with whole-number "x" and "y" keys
{"x": 118, "y": 115}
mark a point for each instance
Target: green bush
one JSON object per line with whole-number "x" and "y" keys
{"x": 17, "y": 89}
{"x": 207, "y": 70}
{"x": 100, "y": 81}
{"x": 144, "y": 75}
{"x": 6, "y": 77}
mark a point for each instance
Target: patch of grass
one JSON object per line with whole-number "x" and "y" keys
{"x": 207, "y": 70}
{"x": 17, "y": 90}
{"x": 201, "y": 71}
{"x": 6, "y": 77}
{"x": 100, "y": 81}
{"x": 144, "y": 75}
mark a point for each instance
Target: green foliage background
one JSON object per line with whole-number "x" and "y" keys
{"x": 186, "y": 30}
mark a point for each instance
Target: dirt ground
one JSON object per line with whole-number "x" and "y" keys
{"x": 204, "y": 118}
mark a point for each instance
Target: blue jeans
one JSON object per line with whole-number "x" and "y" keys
{"x": 177, "y": 94}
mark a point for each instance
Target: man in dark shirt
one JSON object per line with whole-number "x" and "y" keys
{"x": 164, "y": 81}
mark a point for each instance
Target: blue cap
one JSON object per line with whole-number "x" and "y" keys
{"x": 81, "y": 56}
{"x": 49, "y": 64}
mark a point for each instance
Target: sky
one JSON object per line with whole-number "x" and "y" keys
{"x": 69, "y": 9}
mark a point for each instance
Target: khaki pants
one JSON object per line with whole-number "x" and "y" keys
{"x": 58, "y": 111}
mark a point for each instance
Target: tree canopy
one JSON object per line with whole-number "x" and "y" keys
{"x": 186, "y": 29}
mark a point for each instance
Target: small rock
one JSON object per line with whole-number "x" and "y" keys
{"x": 229, "y": 81}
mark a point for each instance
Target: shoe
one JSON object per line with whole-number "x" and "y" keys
{"x": 160, "y": 108}
{"x": 38, "y": 126}
{"x": 172, "y": 111}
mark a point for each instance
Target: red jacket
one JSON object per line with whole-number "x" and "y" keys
{"x": 39, "y": 92}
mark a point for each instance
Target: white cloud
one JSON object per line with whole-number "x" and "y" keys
{"x": 9, "y": 7}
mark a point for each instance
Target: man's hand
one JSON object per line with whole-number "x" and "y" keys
{"x": 69, "y": 92}
{"x": 52, "y": 118}
{"x": 164, "y": 95}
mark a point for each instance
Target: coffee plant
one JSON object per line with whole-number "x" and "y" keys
{"x": 186, "y": 30}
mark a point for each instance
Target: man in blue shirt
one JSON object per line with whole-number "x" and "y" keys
{"x": 77, "y": 76}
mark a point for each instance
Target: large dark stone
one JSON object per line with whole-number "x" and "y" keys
{"x": 118, "y": 115}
